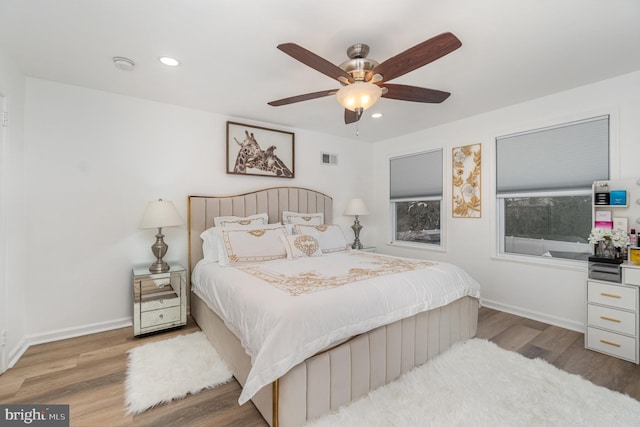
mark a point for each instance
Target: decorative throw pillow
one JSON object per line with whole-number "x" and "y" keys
{"x": 301, "y": 245}
{"x": 227, "y": 221}
{"x": 302, "y": 218}
{"x": 211, "y": 238}
{"x": 330, "y": 237}
{"x": 251, "y": 244}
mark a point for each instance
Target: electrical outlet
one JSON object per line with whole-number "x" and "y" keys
{"x": 4, "y": 338}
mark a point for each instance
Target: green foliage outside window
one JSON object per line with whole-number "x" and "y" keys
{"x": 564, "y": 218}
{"x": 418, "y": 221}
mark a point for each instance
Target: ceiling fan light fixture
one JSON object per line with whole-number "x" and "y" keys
{"x": 358, "y": 95}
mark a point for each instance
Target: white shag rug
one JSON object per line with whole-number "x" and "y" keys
{"x": 163, "y": 371}
{"x": 476, "y": 383}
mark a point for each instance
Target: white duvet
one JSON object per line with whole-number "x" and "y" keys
{"x": 279, "y": 330}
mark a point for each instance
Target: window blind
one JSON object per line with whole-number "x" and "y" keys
{"x": 565, "y": 157}
{"x": 416, "y": 176}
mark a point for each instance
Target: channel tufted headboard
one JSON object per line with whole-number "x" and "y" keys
{"x": 202, "y": 210}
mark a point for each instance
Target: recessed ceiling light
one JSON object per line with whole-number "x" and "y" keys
{"x": 123, "y": 63}
{"x": 169, "y": 61}
{"x": 376, "y": 115}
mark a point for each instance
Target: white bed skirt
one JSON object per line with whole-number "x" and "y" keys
{"x": 350, "y": 370}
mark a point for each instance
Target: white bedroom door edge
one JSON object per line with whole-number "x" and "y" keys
{"x": 4, "y": 291}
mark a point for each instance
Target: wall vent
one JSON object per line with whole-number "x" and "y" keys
{"x": 329, "y": 159}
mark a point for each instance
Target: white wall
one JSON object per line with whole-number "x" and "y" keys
{"x": 552, "y": 294}
{"x": 12, "y": 223}
{"x": 95, "y": 159}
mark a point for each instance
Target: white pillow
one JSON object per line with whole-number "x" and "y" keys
{"x": 301, "y": 245}
{"x": 211, "y": 239}
{"x": 226, "y": 221}
{"x": 251, "y": 244}
{"x": 330, "y": 237}
{"x": 302, "y": 218}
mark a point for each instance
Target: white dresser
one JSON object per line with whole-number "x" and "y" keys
{"x": 612, "y": 315}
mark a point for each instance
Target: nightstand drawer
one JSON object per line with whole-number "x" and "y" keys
{"x": 612, "y": 295}
{"x": 159, "y": 302}
{"x": 159, "y": 317}
{"x": 613, "y": 344}
{"x": 612, "y": 319}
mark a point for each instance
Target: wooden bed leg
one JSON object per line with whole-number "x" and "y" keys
{"x": 274, "y": 400}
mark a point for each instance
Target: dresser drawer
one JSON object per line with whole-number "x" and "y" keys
{"x": 611, "y": 343}
{"x": 609, "y": 318}
{"x": 612, "y": 295}
{"x": 159, "y": 317}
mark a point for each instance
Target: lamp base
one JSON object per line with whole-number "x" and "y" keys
{"x": 159, "y": 249}
{"x": 159, "y": 267}
{"x": 356, "y": 231}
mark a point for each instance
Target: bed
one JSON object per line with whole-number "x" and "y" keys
{"x": 338, "y": 368}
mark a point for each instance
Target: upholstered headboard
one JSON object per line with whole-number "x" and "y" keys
{"x": 202, "y": 210}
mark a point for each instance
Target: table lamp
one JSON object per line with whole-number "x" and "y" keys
{"x": 157, "y": 215}
{"x": 356, "y": 207}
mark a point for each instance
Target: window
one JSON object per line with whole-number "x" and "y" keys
{"x": 416, "y": 198}
{"x": 543, "y": 184}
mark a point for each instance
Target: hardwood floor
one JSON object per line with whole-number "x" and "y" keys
{"x": 88, "y": 373}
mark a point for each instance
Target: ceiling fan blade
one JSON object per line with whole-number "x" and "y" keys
{"x": 416, "y": 57}
{"x": 314, "y": 61}
{"x": 351, "y": 116}
{"x": 415, "y": 94}
{"x": 299, "y": 98}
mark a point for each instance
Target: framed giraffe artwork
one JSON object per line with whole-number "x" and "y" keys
{"x": 255, "y": 150}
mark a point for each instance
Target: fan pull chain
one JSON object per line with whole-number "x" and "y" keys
{"x": 357, "y": 129}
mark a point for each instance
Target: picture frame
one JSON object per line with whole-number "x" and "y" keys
{"x": 467, "y": 180}
{"x": 260, "y": 151}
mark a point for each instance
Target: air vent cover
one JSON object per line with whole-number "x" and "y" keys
{"x": 329, "y": 159}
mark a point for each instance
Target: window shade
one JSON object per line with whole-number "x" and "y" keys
{"x": 417, "y": 175}
{"x": 563, "y": 157}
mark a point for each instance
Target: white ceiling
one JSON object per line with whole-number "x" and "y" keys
{"x": 512, "y": 51}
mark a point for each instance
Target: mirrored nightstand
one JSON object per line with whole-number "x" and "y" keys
{"x": 159, "y": 299}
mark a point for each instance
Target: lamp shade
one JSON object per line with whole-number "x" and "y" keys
{"x": 356, "y": 207}
{"x": 160, "y": 214}
{"x": 358, "y": 95}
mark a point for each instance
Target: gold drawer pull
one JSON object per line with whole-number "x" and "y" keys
{"x": 610, "y": 343}
{"x": 605, "y": 294}
{"x": 610, "y": 319}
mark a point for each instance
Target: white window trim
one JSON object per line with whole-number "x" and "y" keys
{"x": 614, "y": 171}
{"x": 443, "y": 209}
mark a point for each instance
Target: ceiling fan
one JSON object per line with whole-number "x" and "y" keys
{"x": 364, "y": 80}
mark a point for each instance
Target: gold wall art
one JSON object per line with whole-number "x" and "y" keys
{"x": 467, "y": 171}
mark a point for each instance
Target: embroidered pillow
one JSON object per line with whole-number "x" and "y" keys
{"x": 226, "y": 221}
{"x": 251, "y": 244}
{"x": 302, "y": 218}
{"x": 301, "y": 245}
{"x": 211, "y": 239}
{"x": 330, "y": 237}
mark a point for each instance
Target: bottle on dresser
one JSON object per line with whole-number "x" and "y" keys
{"x": 633, "y": 238}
